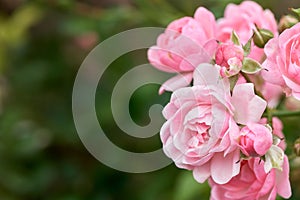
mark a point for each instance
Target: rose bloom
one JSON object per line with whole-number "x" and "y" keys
{"x": 186, "y": 43}
{"x": 242, "y": 19}
{"x": 200, "y": 133}
{"x": 253, "y": 183}
{"x": 283, "y": 61}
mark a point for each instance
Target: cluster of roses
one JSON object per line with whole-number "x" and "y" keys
{"x": 230, "y": 72}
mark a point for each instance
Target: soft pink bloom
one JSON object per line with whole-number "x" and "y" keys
{"x": 200, "y": 133}
{"x": 255, "y": 140}
{"x": 230, "y": 57}
{"x": 253, "y": 183}
{"x": 186, "y": 43}
{"x": 242, "y": 19}
{"x": 283, "y": 61}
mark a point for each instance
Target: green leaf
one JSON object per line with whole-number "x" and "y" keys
{"x": 247, "y": 47}
{"x": 296, "y": 11}
{"x": 250, "y": 66}
{"x": 235, "y": 39}
{"x": 233, "y": 80}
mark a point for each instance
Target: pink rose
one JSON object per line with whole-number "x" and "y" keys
{"x": 186, "y": 43}
{"x": 253, "y": 183}
{"x": 200, "y": 133}
{"x": 242, "y": 19}
{"x": 283, "y": 61}
{"x": 230, "y": 58}
{"x": 255, "y": 140}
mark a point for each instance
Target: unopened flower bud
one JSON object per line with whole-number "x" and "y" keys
{"x": 227, "y": 51}
{"x": 229, "y": 56}
{"x": 255, "y": 140}
{"x": 261, "y": 37}
{"x": 287, "y": 21}
{"x": 297, "y": 147}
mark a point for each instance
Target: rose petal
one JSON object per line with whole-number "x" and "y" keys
{"x": 248, "y": 106}
{"x": 207, "y": 21}
{"x": 295, "y": 87}
{"x": 201, "y": 173}
{"x": 179, "y": 81}
{"x": 282, "y": 179}
{"x": 206, "y": 74}
{"x": 224, "y": 168}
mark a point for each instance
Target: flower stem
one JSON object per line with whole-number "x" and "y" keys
{"x": 270, "y": 117}
{"x": 284, "y": 113}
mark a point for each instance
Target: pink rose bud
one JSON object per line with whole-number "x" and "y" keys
{"x": 227, "y": 51}
{"x": 287, "y": 21}
{"x": 255, "y": 140}
{"x": 229, "y": 57}
{"x": 261, "y": 37}
{"x": 235, "y": 66}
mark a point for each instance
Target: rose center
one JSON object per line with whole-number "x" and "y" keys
{"x": 199, "y": 136}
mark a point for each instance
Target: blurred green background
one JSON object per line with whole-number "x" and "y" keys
{"x": 42, "y": 45}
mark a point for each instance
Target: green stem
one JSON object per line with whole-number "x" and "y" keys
{"x": 284, "y": 113}
{"x": 270, "y": 116}
{"x": 281, "y": 101}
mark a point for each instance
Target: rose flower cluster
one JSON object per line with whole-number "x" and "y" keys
{"x": 230, "y": 74}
